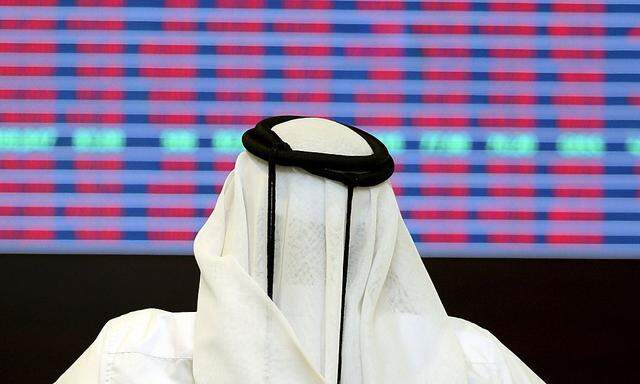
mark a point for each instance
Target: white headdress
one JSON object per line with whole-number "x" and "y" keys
{"x": 394, "y": 327}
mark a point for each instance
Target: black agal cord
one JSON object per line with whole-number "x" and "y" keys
{"x": 345, "y": 265}
{"x": 353, "y": 171}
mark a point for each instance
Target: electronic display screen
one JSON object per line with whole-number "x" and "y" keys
{"x": 515, "y": 125}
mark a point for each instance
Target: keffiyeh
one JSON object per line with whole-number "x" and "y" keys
{"x": 394, "y": 328}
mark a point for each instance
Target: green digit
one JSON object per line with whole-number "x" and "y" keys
{"x": 633, "y": 145}
{"x": 394, "y": 141}
{"x": 509, "y": 144}
{"x": 179, "y": 140}
{"x": 446, "y": 143}
{"x": 227, "y": 140}
{"x": 580, "y": 145}
{"x": 27, "y": 139}
{"x": 98, "y": 140}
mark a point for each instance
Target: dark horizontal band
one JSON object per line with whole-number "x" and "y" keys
{"x": 354, "y": 171}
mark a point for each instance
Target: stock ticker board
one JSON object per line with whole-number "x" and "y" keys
{"x": 515, "y": 125}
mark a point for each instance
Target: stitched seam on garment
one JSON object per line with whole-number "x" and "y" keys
{"x": 153, "y": 356}
{"x": 107, "y": 369}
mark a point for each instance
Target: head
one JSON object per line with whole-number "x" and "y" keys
{"x": 346, "y": 278}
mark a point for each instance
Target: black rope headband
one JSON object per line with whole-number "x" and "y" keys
{"x": 353, "y": 171}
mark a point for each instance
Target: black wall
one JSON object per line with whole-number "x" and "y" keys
{"x": 571, "y": 321}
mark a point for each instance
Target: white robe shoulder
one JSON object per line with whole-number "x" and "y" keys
{"x": 155, "y": 346}
{"x": 146, "y": 346}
